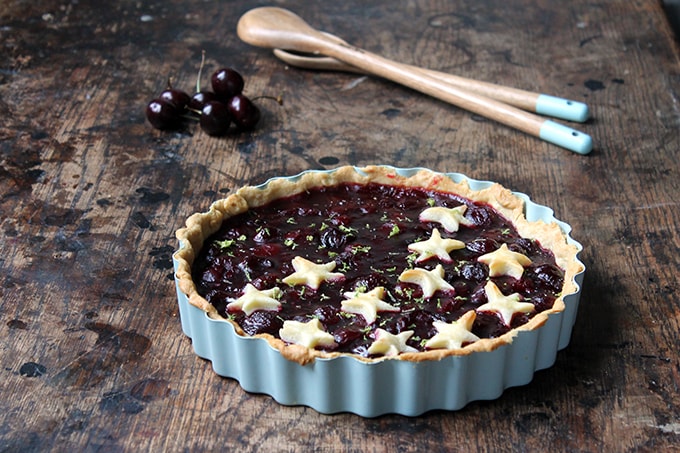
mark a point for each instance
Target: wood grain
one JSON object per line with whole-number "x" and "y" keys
{"x": 93, "y": 358}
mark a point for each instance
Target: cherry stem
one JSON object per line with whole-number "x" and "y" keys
{"x": 200, "y": 70}
{"x": 192, "y": 117}
{"x": 278, "y": 99}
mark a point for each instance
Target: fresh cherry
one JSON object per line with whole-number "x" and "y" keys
{"x": 200, "y": 99}
{"x": 244, "y": 113}
{"x": 163, "y": 115}
{"x": 226, "y": 83}
{"x": 177, "y": 98}
{"x": 214, "y": 110}
{"x": 215, "y": 118}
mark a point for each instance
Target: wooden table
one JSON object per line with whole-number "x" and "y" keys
{"x": 93, "y": 358}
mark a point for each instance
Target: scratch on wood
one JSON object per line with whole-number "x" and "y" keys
{"x": 353, "y": 83}
{"x": 669, "y": 428}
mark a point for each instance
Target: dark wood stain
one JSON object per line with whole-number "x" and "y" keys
{"x": 114, "y": 349}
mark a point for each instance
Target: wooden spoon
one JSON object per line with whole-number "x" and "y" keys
{"x": 526, "y": 100}
{"x": 272, "y": 27}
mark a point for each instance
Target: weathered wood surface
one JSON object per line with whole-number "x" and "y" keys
{"x": 93, "y": 358}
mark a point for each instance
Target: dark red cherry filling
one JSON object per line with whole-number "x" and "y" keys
{"x": 366, "y": 230}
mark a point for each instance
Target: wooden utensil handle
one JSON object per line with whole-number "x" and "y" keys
{"x": 533, "y": 102}
{"x": 424, "y": 82}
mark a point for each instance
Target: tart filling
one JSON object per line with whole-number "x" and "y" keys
{"x": 376, "y": 265}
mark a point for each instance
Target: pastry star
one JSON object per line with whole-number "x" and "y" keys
{"x": 429, "y": 281}
{"x": 309, "y": 334}
{"x": 389, "y": 345}
{"x": 504, "y": 261}
{"x": 505, "y": 306}
{"x": 449, "y": 218}
{"x": 311, "y": 274}
{"x": 453, "y": 335}
{"x": 367, "y": 304}
{"x": 253, "y": 299}
{"x": 435, "y": 246}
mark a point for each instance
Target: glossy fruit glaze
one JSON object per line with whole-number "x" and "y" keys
{"x": 366, "y": 230}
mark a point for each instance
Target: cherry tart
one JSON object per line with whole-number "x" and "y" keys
{"x": 376, "y": 264}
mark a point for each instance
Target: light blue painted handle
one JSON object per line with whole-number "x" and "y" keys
{"x": 561, "y": 108}
{"x": 566, "y": 137}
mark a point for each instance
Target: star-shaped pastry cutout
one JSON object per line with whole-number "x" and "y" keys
{"x": 504, "y": 261}
{"x": 311, "y": 274}
{"x": 449, "y": 218}
{"x": 309, "y": 334}
{"x": 389, "y": 345}
{"x": 435, "y": 246}
{"x": 452, "y": 335}
{"x": 254, "y": 299}
{"x": 367, "y": 304}
{"x": 429, "y": 281}
{"x": 504, "y": 306}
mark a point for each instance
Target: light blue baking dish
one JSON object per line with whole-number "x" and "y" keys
{"x": 370, "y": 389}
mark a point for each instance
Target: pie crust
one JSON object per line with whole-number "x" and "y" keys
{"x": 199, "y": 227}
